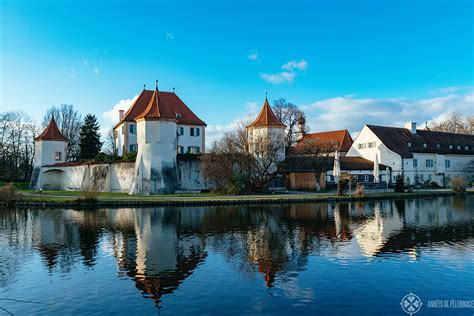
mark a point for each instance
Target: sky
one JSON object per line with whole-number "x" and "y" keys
{"x": 345, "y": 63}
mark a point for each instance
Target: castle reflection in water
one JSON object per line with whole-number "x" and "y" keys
{"x": 158, "y": 248}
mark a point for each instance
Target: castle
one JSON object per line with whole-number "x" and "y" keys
{"x": 167, "y": 138}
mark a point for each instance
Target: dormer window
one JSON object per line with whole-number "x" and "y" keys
{"x": 178, "y": 115}
{"x": 459, "y": 147}
{"x": 424, "y": 145}
{"x": 466, "y": 148}
{"x": 438, "y": 146}
{"x": 409, "y": 144}
{"x": 450, "y": 146}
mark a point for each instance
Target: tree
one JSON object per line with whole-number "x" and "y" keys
{"x": 17, "y": 149}
{"x": 233, "y": 164}
{"x": 89, "y": 138}
{"x": 69, "y": 123}
{"x": 320, "y": 153}
{"x": 289, "y": 114}
{"x": 455, "y": 123}
{"x": 109, "y": 144}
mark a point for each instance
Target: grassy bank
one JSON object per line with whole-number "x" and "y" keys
{"x": 73, "y": 199}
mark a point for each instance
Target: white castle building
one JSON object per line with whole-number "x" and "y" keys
{"x": 158, "y": 126}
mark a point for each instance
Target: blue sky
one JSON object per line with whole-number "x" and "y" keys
{"x": 345, "y": 62}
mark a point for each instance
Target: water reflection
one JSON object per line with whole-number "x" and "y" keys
{"x": 160, "y": 248}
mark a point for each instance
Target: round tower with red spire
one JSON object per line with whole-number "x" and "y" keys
{"x": 50, "y": 149}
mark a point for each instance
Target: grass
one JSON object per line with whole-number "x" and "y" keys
{"x": 19, "y": 185}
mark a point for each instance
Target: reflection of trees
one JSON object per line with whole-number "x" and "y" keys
{"x": 159, "y": 248}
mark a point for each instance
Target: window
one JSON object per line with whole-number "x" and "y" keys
{"x": 438, "y": 146}
{"x": 466, "y": 148}
{"x": 58, "y": 156}
{"x": 132, "y": 148}
{"x": 194, "y": 150}
{"x": 415, "y": 163}
{"x": 132, "y": 129}
{"x": 366, "y": 178}
{"x": 459, "y": 147}
{"x": 198, "y": 150}
{"x": 178, "y": 115}
{"x": 424, "y": 145}
{"x": 198, "y": 131}
{"x": 191, "y": 131}
{"x": 361, "y": 146}
{"x": 372, "y": 144}
{"x": 421, "y": 177}
{"x": 450, "y": 146}
{"x": 189, "y": 149}
{"x": 180, "y": 131}
{"x": 429, "y": 177}
{"x": 447, "y": 163}
{"x": 180, "y": 150}
{"x": 409, "y": 144}
{"x": 429, "y": 163}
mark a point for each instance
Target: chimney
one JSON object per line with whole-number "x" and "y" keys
{"x": 121, "y": 114}
{"x": 301, "y": 128}
{"x": 411, "y": 126}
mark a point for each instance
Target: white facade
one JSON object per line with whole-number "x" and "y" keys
{"x": 423, "y": 167}
{"x": 190, "y": 138}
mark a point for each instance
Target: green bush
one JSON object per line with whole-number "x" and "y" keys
{"x": 434, "y": 184}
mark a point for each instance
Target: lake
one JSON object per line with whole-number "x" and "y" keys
{"x": 338, "y": 259}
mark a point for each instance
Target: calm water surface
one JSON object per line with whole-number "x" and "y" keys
{"x": 339, "y": 259}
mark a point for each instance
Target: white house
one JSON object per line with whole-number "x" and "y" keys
{"x": 420, "y": 155}
{"x": 190, "y": 129}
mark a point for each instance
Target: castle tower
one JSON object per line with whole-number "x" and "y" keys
{"x": 50, "y": 149}
{"x": 155, "y": 166}
{"x": 267, "y": 127}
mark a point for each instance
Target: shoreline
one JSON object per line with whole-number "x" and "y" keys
{"x": 219, "y": 200}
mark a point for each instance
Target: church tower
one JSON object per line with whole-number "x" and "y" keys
{"x": 50, "y": 149}
{"x": 155, "y": 166}
{"x": 267, "y": 127}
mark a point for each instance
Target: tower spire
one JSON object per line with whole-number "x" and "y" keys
{"x": 144, "y": 86}
{"x": 156, "y": 84}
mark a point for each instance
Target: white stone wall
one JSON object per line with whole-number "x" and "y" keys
{"x": 190, "y": 175}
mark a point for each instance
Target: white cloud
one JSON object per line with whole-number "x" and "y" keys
{"x": 292, "y": 69}
{"x": 169, "y": 35}
{"x": 111, "y": 117}
{"x": 349, "y": 112}
{"x": 293, "y": 64}
{"x": 216, "y": 131}
{"x": 451, "y": 89}
{"x": 253, "y": 55}
{"x": 281, "y": 77}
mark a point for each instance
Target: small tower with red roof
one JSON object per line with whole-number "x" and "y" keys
{"x": 267, "y": 127}
{"x": 50, "y": 149}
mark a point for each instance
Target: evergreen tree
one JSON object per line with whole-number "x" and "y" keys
{"x": 89, "y": 138}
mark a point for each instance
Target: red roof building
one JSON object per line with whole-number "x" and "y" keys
{"x": 52, "y": 132}
{"x": 342, "y": 138}
{"x": 154, "y": 104}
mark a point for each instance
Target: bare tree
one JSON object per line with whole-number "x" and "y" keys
{"x": 69, "y": 122}
{"x": 17, "y": 148}
{"x": 455, "y": 123}
{"x": 289, "y": 114}
{"x": 234, "y": 164}
{"x": 110, "y": 147}
{"x": 320, "y": 154}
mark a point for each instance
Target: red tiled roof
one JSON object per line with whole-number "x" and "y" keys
{"x": 169, "y": 106}
{"x": 266, "y": 118}
{"x": 342, "y": 137}
{"x": 52, "y": 132}
{"x": 397, "y": 139}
